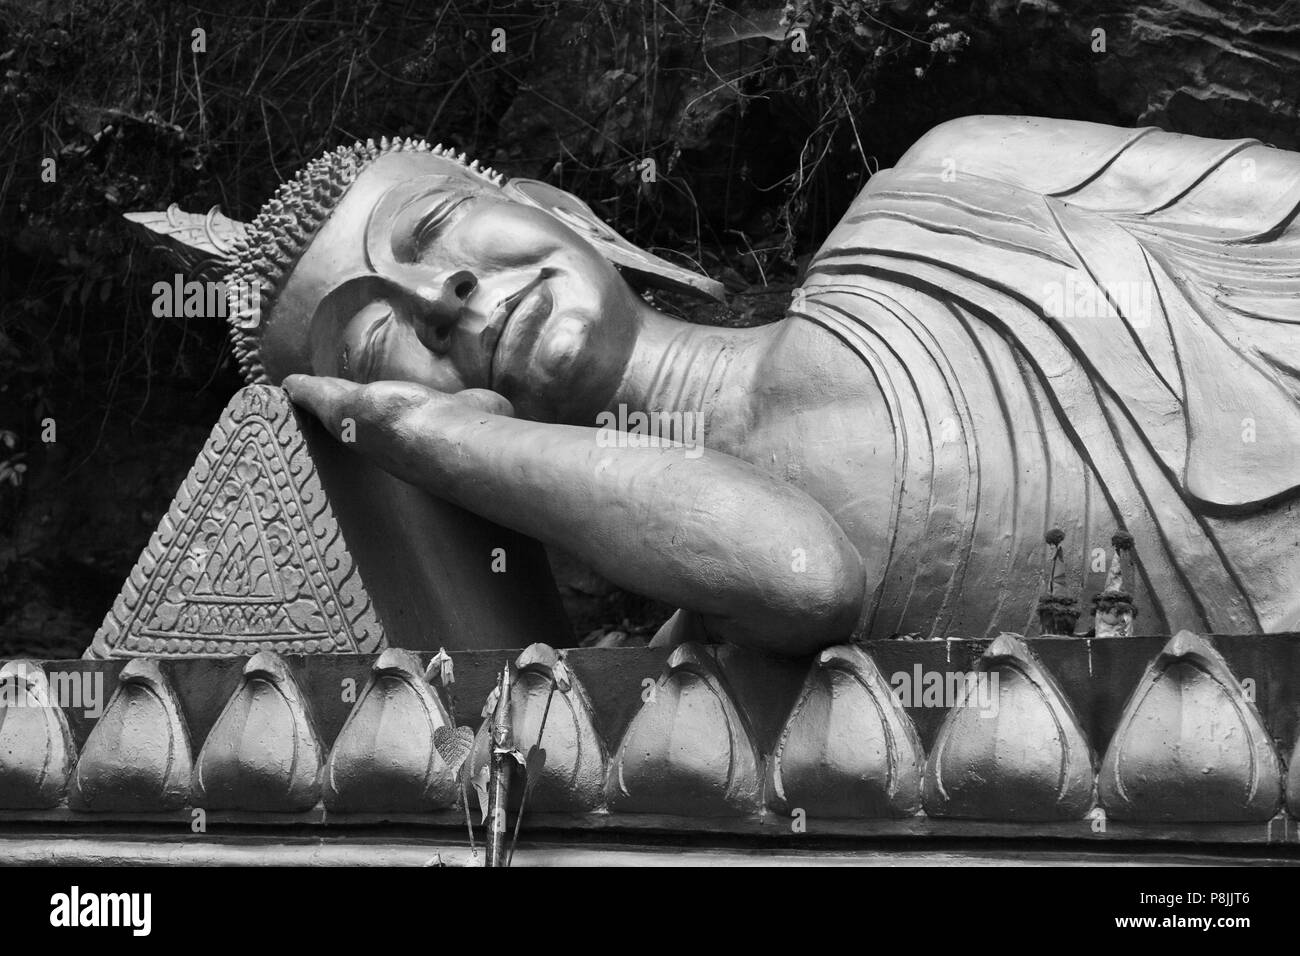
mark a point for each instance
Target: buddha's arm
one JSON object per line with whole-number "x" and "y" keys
{"x": 758, "y": 559}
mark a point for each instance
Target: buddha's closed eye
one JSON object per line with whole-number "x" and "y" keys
{"x": 437, "y": 218}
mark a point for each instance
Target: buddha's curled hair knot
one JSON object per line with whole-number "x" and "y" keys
{"x": 286, "y": 225}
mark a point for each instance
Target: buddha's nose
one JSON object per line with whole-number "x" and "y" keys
{"x": 442, "y": 305}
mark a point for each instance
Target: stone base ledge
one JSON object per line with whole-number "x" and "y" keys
{"x": 1151, "y": 739}
{"x": 363, "y": 849}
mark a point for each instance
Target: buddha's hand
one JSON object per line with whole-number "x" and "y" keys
{"x": 405, "y": 428}
{"x": 758, "y": 559}
{"x": 338, "y": 402}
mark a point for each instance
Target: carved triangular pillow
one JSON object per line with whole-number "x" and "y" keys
{"x": 249, "y": 556}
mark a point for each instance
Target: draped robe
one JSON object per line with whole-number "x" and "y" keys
{"x": 1086, "y": 327}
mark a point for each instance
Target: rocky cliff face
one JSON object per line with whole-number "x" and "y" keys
{"x": 1219, "y": 68}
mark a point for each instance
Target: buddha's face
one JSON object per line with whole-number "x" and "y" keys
{"x": 424, "y": 274}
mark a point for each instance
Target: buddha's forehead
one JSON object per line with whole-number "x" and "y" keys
{"x": 381, "y": 190}
{"x": 348, "y": 243}
{"x": 394, "y": 168}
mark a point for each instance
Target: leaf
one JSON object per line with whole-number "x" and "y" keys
{"x": 562, "y": 676}
{"x": 481, "y": 793}
{"x": 454, "y": 745}
{"x": 479, "y": 782}
{"x": 534, "y": 764}
{"x": 441, "y": 667}
{"x": 512, "y": 752}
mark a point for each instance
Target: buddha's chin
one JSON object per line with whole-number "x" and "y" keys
{"x": 550, "y": 380}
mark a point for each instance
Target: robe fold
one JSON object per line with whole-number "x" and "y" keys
{"x": 1084, "y": 327}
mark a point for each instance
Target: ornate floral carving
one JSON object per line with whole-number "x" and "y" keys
{"x": 1016, "y": 753}
{"x": 384, "y": 759}
{"x": 249, "y": 555}
{"x": 573, "y": 775}
{"x": 36, "y": 749}
{"x": 1190, "y": 745}
{"x": 688, "y": 750}
{"x": 263, "y": 752}
{"x": 137, "y": 757}
{"x": 848, "y": 749}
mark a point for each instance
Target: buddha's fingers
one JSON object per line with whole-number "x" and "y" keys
{"x": 487, "y": 400}
{"x": 335, "y": 400}
{"x": 326, "y": 398}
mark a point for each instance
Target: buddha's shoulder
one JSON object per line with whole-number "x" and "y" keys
{"x": 807, "y": 366}
{"x": 991, "y": 131}
{"x": 1057, "y": 156}
{"x": 819, "y": 420}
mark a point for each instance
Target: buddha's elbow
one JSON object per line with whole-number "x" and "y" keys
{"x": 829, "y": 603}
{"x": 815, "y": 602}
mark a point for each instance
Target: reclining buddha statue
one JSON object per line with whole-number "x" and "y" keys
{"x": 1025, "y": 324}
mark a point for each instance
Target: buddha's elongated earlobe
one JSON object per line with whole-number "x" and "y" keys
{"x": 642, "y": 266}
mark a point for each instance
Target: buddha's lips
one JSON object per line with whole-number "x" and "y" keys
{"x": 495, "y": 329}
